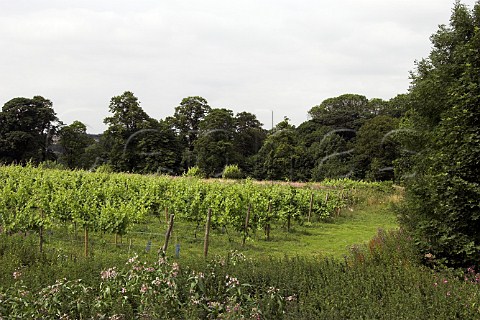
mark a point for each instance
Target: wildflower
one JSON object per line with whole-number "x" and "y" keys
{"x": 175, "y": 269}
{"x": 448, "y": 293}
{"x": 109, "y": 274}
{"x": 445, "y": 281}
{"x": 214, "y": 304}
{"x": 235, "y": 308}
{"x": 124, "y": 290}
{"x": 255, "y": 314}
{"x": 291, "y": 298}
{"x": 272, "y": 290}
{"x": 157, "y": 281}
{"x": 231, "y": 281}
{"x": 435, "y": 284}
{"x": 144, "y": 288}
{"x": 17, "y": 274}
{"x": 132, "y": 259}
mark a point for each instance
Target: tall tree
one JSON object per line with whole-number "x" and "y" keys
{"x": 332, "y": 156}
{"x": 123, "y": 131}
{"x": 248, "y": 139}
{"x": 442, "y": 210}
{"x": 74, "y": 141}
{"x": 215, "y": 145}
{"x": 376, "y": 149}
{"x": 27, "y": 127}
{"x": 279, "y": 155}
{"x": 348, "y": 111}
{"x": 186, "y": 121}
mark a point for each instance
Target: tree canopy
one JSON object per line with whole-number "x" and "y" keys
{"x": 27, "y": 127}
{"x": 442, "y": 209}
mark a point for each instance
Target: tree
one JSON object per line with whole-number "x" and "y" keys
{"x": 376, "y": 149}
{"x": 186, "y": 121}
{"x": 397, "y": 106}
{"x": 126, "y": 126}
{"x": 332, "y": 156}
{"x": 158, "y": 149}
{"x": 347, "y": 111}
{"x": 310, "y": 134}
{"x": 248, "y": 139}
{"x": 442, "y": 210}
{"x": 214, "y": 146}
{"x": 27, "y": 127}
{"x": 278, "y": 157}
{"x": 74, "y": 141}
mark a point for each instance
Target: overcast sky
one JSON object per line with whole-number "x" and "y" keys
{"x": 255, "y": 56}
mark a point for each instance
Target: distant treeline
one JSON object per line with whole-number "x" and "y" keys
{"x": 346, "y": 136}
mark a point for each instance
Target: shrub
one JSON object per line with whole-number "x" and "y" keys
{"x": 232, "y": 172}
{"x": 194, "y": 172}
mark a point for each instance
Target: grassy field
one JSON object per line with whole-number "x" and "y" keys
{"x": 333, "y": 238}
{"x": 311, "y": 272}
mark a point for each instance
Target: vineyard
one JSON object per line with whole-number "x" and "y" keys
{"x": 34, "y": 199}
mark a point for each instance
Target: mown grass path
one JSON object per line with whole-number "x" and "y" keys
{"x": 354, "y": 226}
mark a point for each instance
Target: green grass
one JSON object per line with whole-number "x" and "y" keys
{"x": 355, "y": 225}
{"x": 335, "y": 238}
{"x": 382, "y": 281}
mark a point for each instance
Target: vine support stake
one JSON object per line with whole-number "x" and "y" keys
{"x": 311, "y": 207}
{"x": 86, "y": 241}
{"x": 267, "y": 226}
{"x": 207, "y": 232}
{"x": 168, "y": 234}
{"x": 40, "y": 232}
{"x": 245, "y": 231}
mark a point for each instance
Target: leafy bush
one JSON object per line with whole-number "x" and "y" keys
{"x": 382, "y": 279}
{"x": 442, "y": 210}
{"x": 194, "y": 172}
{"x": 139, "y": 290}
{"x": 232, "y": 172}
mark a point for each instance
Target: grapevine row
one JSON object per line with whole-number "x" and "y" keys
{"x": 33, "y": 198}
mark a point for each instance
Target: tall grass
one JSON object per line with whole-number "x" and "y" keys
{"x": 383, "y": 279}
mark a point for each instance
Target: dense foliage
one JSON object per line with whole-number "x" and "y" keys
{"x": 442, "y": 208}
{"x": 33, "y": 198}
{"x": 198, "y": 135}
{"x": 382, "y": 280}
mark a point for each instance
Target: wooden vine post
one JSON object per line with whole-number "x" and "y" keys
{"x": 40, "y": 232}
{"x": 247, "y": 219}
{"x": 311, "y": 208}
{"x": 267, "y": 226}
{"x": 207, "y": 232}
{"x": 168, "y": 234}
{"x": 86, "y": 241}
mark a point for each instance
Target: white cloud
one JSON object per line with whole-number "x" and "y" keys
{"x": 248, "y": 55}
